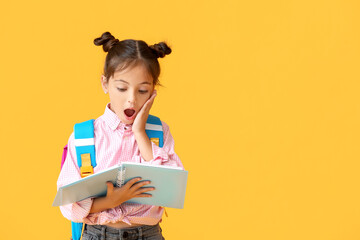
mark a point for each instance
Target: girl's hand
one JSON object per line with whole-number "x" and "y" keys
{"x": 140, "y": 119}
{"x": 116, "y": 196}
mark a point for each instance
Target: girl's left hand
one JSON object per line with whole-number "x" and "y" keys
{"x": 140, "y": 119}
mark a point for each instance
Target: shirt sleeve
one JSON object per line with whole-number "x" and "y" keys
{"x": 69, "y": 173}
{"x": 165, "y": 155}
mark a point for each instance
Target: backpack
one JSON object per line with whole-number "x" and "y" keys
{"x": 85, "y": 153}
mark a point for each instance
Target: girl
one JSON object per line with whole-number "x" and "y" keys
{"x": 131, "y": 73}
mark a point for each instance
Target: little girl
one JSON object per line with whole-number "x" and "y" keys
{"x": 131, "y": 73}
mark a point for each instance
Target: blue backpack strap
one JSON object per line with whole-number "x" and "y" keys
{"x": 76, "y": 230}
{"x": 154, "y": 130}
{"x": 86, "y": 160}
{"x": 84, "y": 141}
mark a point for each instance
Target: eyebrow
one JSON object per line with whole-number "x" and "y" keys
{"x": 120, "y": 80}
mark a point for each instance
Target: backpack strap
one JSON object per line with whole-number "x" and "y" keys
{"x": 154, "y": 130}
{"x": 86, "y": 160}
{"x": 85, "y": 147}
{"x": 76, "y": 230}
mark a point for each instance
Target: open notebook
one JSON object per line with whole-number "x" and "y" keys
{"x": 169, "y": 183}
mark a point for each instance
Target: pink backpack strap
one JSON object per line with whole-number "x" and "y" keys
{"x": 64, "y": 155}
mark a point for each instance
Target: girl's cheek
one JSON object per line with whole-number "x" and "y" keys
{"x": 144, "y": 101}
{"x": 145, "y": 97}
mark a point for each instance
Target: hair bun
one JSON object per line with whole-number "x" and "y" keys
{"x": 107, "y": 40}
{"x": 160, "y": 49}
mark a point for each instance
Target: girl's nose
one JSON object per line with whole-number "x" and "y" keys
{"x": 132, "y": 99}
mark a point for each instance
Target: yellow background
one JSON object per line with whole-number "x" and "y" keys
{"x": 262, "y": 99}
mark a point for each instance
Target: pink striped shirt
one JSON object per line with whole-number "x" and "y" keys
{"x": 115, "y": 143}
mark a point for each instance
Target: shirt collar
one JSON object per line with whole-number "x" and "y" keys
{"x": 112, "y": 120}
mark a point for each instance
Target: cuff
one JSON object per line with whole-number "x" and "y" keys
{"x": 81, "y": 209}
{"x": 160, "y": 156}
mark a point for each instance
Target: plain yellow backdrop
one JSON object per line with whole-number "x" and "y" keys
{"x": 262, "y": 99}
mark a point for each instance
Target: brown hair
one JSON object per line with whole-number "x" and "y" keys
{"x": 129, "y": 53}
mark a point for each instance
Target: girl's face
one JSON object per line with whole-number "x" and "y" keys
{"x": 128, "y": 90}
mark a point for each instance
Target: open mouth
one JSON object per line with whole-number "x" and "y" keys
{"x": 129, "y": 112}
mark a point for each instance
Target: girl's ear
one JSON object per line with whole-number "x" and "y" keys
{"x": 104, "y": 84}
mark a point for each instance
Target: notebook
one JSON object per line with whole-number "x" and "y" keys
{"x": 169, "y": 182}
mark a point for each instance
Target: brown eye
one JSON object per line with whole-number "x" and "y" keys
{"x": 143, "y": 91}
{"x": 122, "y": 89}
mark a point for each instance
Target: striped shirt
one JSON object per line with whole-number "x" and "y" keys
{"x": 115, "y": 143}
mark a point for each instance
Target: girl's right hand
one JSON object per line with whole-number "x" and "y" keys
{"x": 132, "y": 189}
